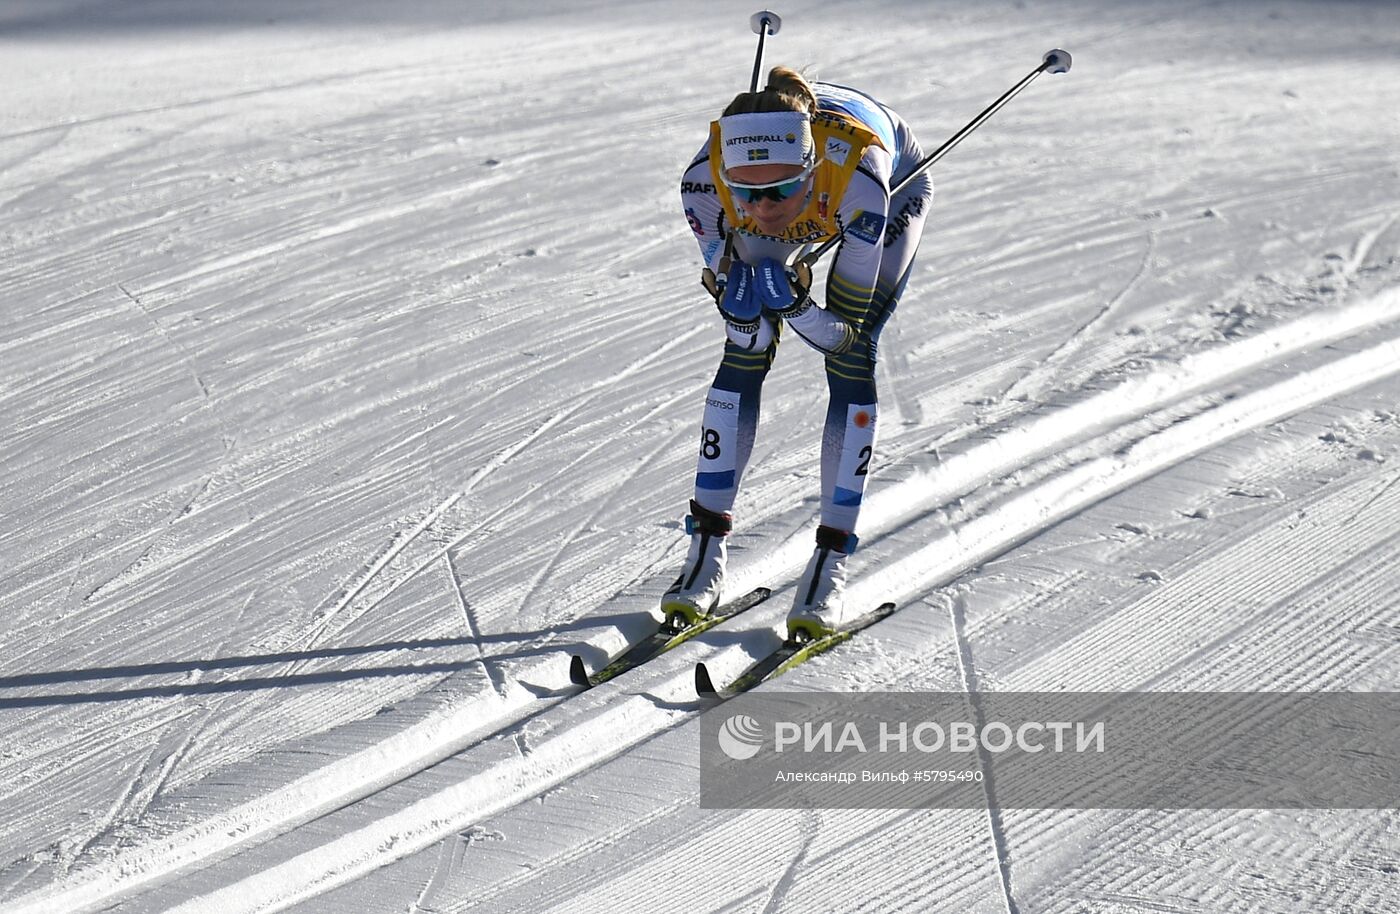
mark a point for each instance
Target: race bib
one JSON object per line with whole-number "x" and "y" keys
{"x": 857, "y": 451}
{"x": 719, "y": 433}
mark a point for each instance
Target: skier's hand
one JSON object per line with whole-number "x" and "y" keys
{"x": 778, "y": 288}
{"x": 737, "y": 301}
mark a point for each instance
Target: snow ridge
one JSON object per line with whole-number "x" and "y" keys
{"x": 579, "y": 741}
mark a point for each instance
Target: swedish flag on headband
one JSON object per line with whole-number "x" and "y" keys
{"x": 758, "y": 155}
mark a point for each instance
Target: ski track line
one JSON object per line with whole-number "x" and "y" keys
{"x": 491, "y": 670}
{"x": 967, "y": 671}
{"x": 325, "y": 232}
{"x": 808, "y": 828}
{"x": 594, "y": 740}
{"x": 297, "y": 85}
{"x": 500, "y": 460}
{"x": 581, "y": 860}
{"x": 396, "y": 546}
{"x": 1034, "y": 382}
{"x": 403, "y": 443}
{"x": 404, "y": 539}
{"x": 1016, "y": 446}
{"x": 1385, "y": 490}
{"x": 1289, "y": 595}
{"x": 444, "y": 552}
{"x": 610, "y": 500}
{"x": 283, "y": 449}
{"x": 1005, "y": 883}
{"x": 106, "y": 823}
{"x": 1058, "y": 498}
{"x": 585, "y": 350}
{"x": 181, "y": 351}
{"x": 904, "y": 841}
{"x": 565, "y": 755}
{"x": 1363, "y": 246}
{"x": 309, "y": 796}
{"x": 449, "y": 859}
{"x": 132, "y": 804}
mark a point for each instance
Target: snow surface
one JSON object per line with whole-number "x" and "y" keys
{"x": 351, "y": 362}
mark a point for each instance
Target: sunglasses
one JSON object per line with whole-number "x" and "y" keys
{"x": 777, "y": 191}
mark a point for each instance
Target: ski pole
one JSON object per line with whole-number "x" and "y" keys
{"x": 1056, "y": 61}
{"x": 765, "y": 23}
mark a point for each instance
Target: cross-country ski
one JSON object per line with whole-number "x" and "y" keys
{"x": 670, "y": 634}
{"x": 788, "y": 655}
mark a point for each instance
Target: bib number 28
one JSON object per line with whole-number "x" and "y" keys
{"x": 710, "y": 444}
{"x": 718, "y": 432}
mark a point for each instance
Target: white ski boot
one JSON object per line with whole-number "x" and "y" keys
{"x": 820, "y": 606}
{"x": 697, "y": 591}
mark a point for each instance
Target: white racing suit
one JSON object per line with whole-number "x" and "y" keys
{"x": 867, "y": 275}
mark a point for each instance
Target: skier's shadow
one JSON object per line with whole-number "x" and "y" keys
{"x": 136, "y": 671}
{"x": 692, "y": 704}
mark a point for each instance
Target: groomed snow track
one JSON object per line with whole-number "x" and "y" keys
{"x": 259, "y": 857}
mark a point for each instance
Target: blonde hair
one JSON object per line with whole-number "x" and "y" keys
{"x": 787, "y": 90}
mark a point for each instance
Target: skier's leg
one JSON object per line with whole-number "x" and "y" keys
{"x": 729, "y": 425}
{"x": 726, "y": 440}
{"x": 849, "y": 436}
{"x": 848, "y": 441}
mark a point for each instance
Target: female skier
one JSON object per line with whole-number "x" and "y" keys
{"x": 784, "y": 168}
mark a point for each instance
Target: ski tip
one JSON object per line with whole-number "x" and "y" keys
{"x": 578, "y": 673}
{"x": 881, "y": 613}
{"x": 704, "y": 685}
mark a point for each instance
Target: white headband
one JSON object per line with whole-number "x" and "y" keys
{"x": 766, "y": 138}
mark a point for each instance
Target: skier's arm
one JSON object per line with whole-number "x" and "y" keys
{"x": 851, "y": 282}
{"x": 744, "y": 323}
{"x": 703, "y": 210}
